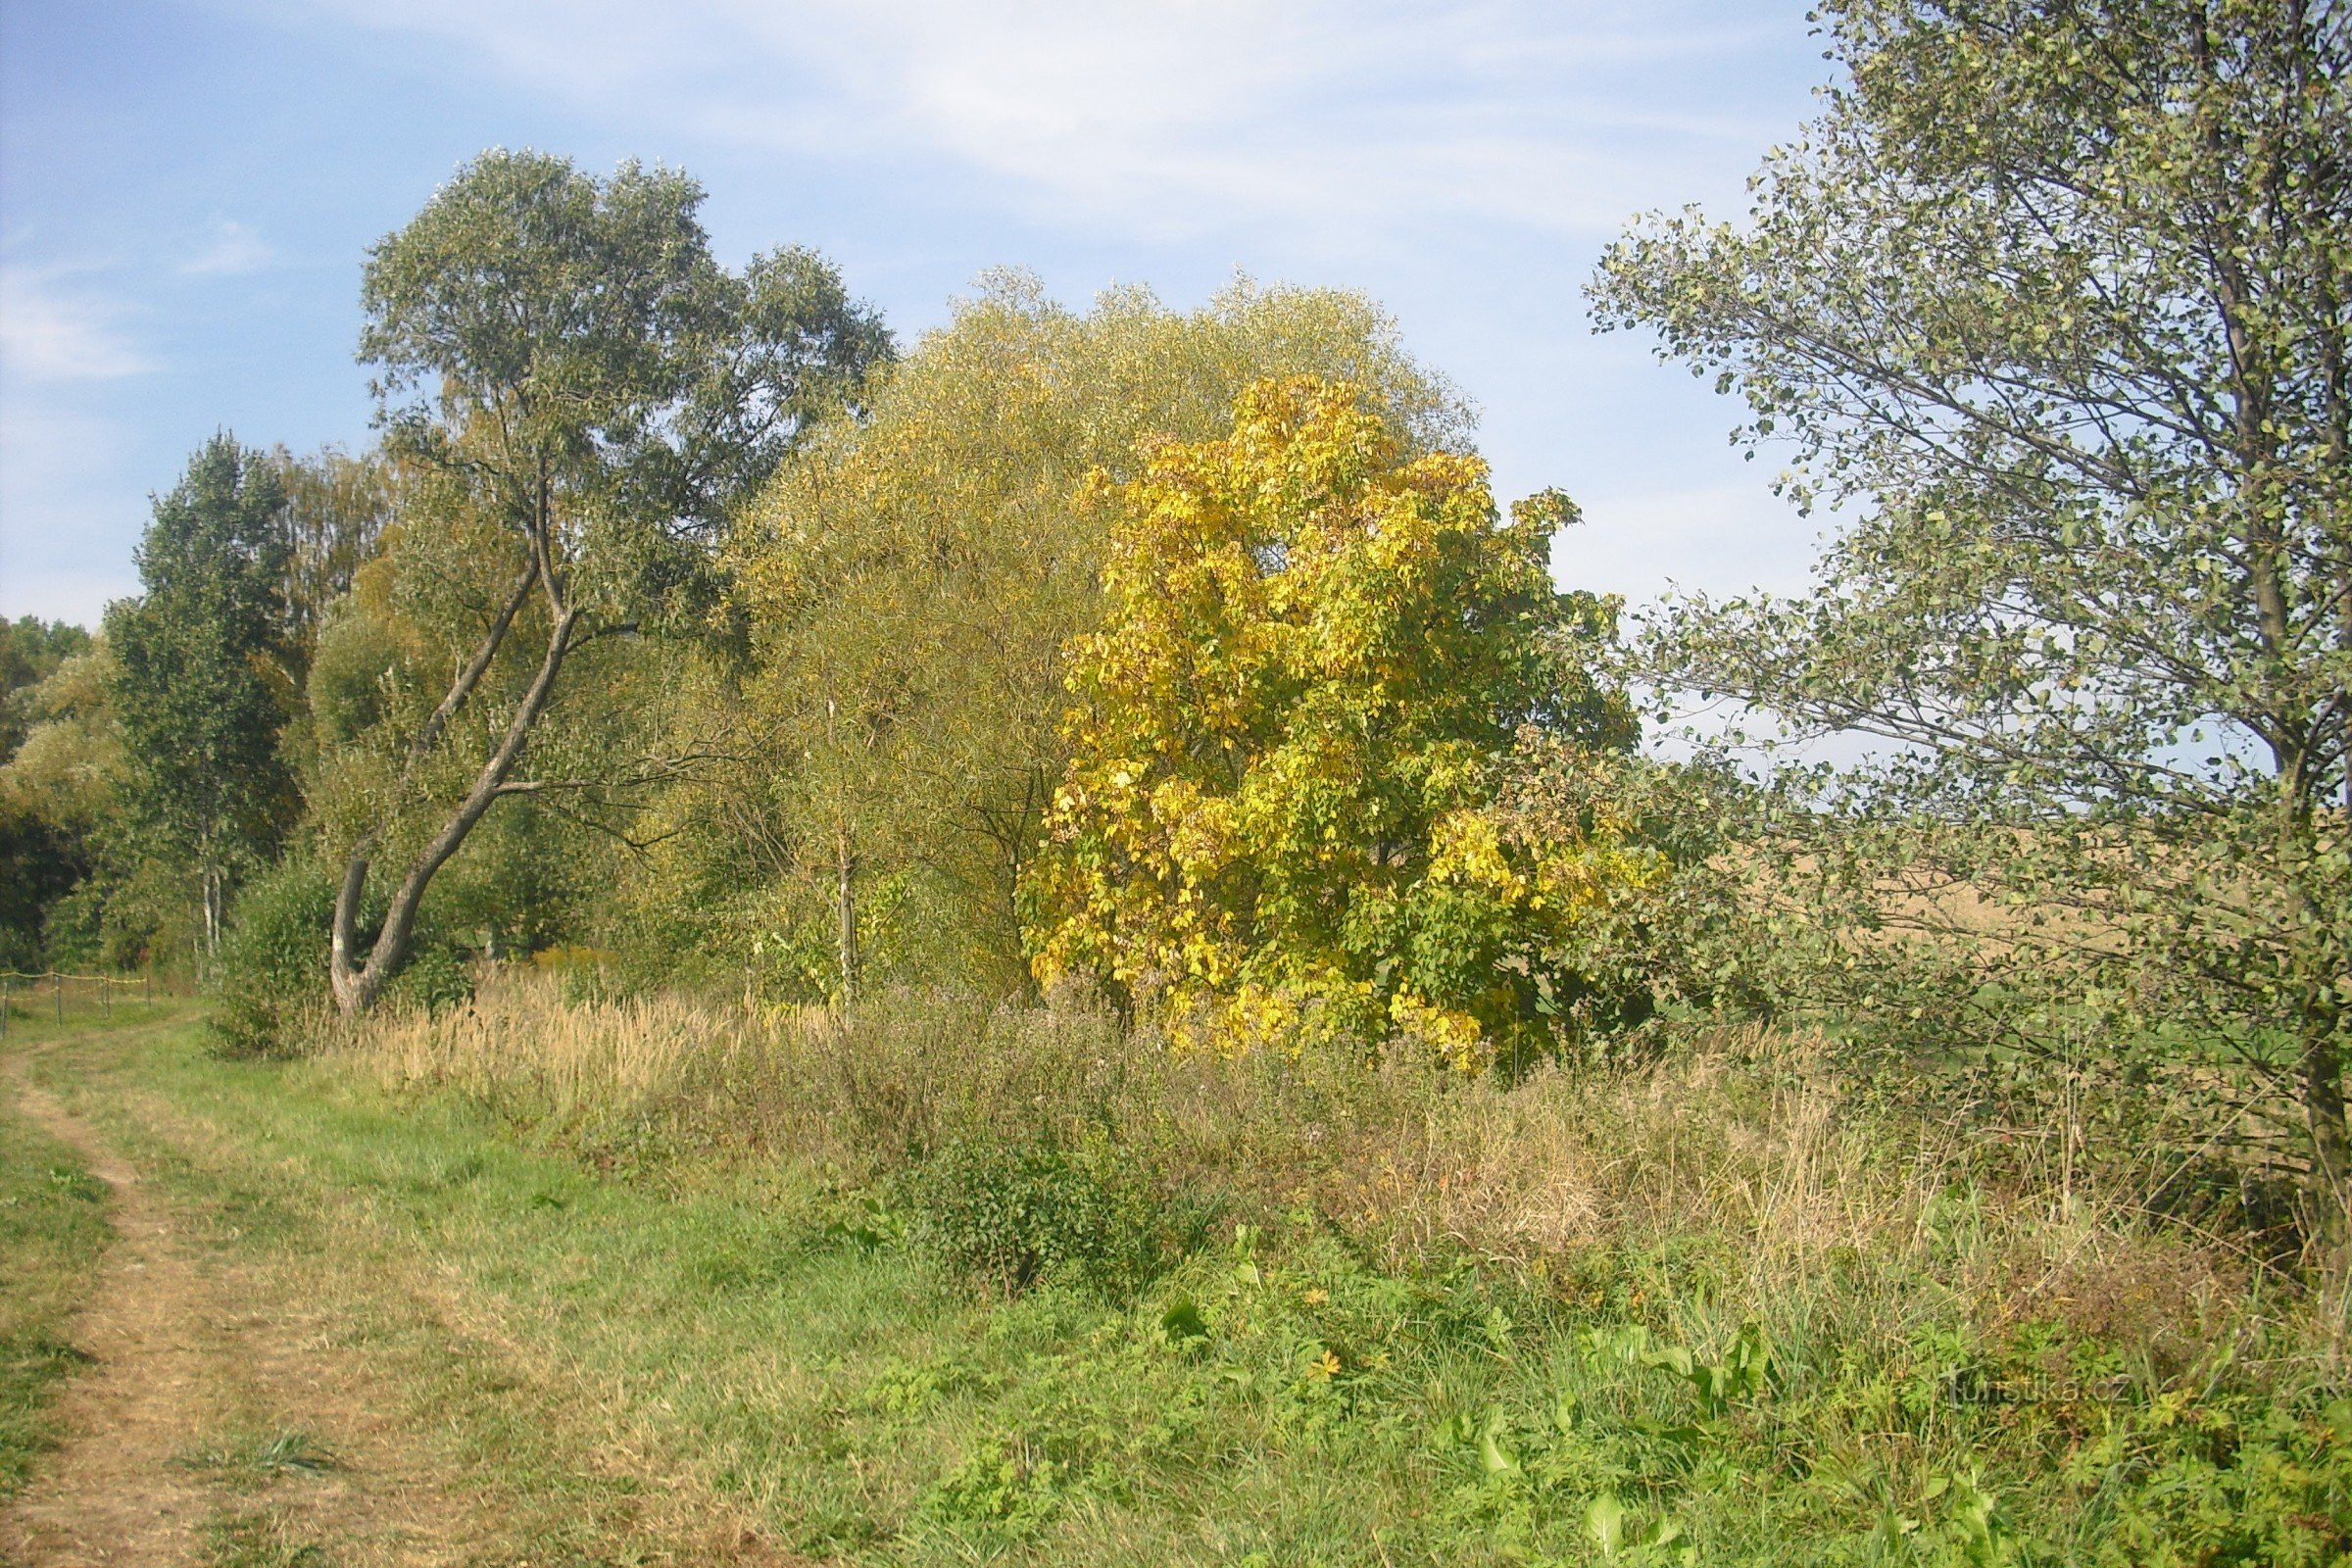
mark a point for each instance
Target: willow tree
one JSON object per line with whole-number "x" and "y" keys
{"x": 911, "y": 580}
{"x": 592, "y": 393}
{"x": 337, "y": 507}
{"x": 2055, "y": 301}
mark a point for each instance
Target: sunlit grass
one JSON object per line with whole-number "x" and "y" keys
{"x": 1719, "y": 1303}
{"x": 53, "y": 1237}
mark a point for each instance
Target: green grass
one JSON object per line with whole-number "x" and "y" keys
{"x": 251, "y": 1458}
{"x": 1277, "y": 1396}
{"x": 53, "y": 1236}
{"x": 259, "y": 1540}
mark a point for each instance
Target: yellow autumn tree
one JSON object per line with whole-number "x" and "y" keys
{"x": 910, "y": 581}
{"x": 1277, "y": 821}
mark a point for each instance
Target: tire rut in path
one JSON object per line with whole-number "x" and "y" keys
{"x": 188, "y": 1352}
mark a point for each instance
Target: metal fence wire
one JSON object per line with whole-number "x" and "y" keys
{"x": 17, "y": 987}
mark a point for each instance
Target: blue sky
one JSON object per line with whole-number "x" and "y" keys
{"x": 187, "y": 188}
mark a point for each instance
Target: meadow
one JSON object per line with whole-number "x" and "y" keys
{"x": 937, "y": 1282}
{"x": 1065, "y": 941}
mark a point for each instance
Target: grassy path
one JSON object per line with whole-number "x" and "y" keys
{"x": 212, "y": 1422}
{"x": 340, "y": 1324}
{"x": 257, "y": 1392}
{"x": 507, "y": 1359}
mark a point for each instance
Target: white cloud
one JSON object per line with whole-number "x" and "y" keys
{"x": 230, "y": 248}
{"x": 1164, "y": 116}
{"x": 51, "y": 331}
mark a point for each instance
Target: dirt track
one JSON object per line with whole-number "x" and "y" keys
{"x": 195, "y": 1371}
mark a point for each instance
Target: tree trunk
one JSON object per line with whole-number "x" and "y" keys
{"x": 357, "y": 986}
{"x": 845, "y": 898}
{"x": 2330, "y": 1184}
{"x": 2312, "y": 971}
{"x": 208, "y": 895}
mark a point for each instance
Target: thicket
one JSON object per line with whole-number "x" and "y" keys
{"x": 45, "y": 852}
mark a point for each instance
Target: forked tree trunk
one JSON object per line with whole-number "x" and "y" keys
{"x": 356, "y": 984}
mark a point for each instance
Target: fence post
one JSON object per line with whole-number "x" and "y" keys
{"x": 61, "y": 996}
{"x": 3, "y": 1007}
{"x": 105, "y": 999}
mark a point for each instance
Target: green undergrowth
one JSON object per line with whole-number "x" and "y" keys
{"x": 1048, "y": 1355}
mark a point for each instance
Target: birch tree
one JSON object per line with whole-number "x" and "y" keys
{"x": 2055, "y": 302}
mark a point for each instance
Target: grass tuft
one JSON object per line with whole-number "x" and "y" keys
{"x": 251, "y": 1460}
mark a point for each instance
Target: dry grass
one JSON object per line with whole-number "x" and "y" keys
{"x": 1747, "y": 1140}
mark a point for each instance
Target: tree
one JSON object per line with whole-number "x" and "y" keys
{"x": 2055, "y": 299}
{"x": 58, "y": 760}
{"x": 1276, "y": 821}
{"x": 911, "y": 580}
{"x": 198, "y": 680}
{"x": 337, "y": 507}
{"x": 597, "y": 392}
{"x": 30, "y": 651}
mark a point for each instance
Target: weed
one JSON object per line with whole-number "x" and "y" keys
{"x": 251, "y": 1460}
{"x": 1015, "y": 1215}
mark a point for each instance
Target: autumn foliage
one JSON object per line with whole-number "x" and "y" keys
{"x": 1277, "y": 824}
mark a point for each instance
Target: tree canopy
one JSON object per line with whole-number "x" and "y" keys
{"x": 2055, "y": 302}
{"x": 198, "y": 681}
{"x": 593, "y": 393}
{"x": 1315, "y": 655}
{"x": 911, "y": 580}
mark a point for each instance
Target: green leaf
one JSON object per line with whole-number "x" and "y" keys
{"x": 1183, "y": 1322}
{"x": 1604, "y": 1523}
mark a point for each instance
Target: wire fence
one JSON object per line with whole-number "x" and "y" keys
{"x": 51, "y": 990}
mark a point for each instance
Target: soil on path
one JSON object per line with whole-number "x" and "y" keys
{"x": 195, "y": 1373}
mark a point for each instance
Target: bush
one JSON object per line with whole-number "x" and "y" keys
{"x": 1021, "y": 1215}
{"x": 436, "y": 978}
{"x": 271, "y": 990}
{"x": 272, "y": 987}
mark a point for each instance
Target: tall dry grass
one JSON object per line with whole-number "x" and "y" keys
{"x": 1746, "y": 1148}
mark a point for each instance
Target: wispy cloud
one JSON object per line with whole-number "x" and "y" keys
{"x": 54, "y": 330}
{"x": 230, "y": 249}
{"x": 1162, "y": 116}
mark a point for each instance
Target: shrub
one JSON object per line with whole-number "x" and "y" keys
{"x": 272, "y": 987}
{"x": 1019, "y": 1214}
{"x": 436, "y": 977}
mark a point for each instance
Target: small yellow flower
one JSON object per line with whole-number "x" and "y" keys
{"x": 1328, "y": 1364}
{"x": 1316, "y": 1296}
